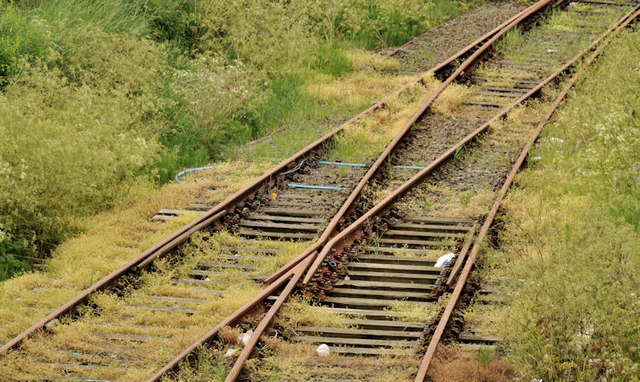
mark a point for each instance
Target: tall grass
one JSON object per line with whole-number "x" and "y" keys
{"x": 573, "y": 233}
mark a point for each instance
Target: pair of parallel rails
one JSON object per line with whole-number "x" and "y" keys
{"x": 372, "y": 243}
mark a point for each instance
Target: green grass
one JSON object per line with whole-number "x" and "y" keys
{"x": 572, "y": 234}
{"x": 139, "y": 89}
{"x": 331, "y": 59}
{"x": 392, "y": 23}
{"x": 520, "y": 47}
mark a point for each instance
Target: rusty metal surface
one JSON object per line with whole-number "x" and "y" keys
{"x": 266, "y": 321}
{"x": 304, "y": 257}
{"x": 229, "y": 320}
{"x": 429, "y": 168}
{"x": 422, "y": 372}
{"x": 317, "y": 257}
{"x": 461, "y": 257}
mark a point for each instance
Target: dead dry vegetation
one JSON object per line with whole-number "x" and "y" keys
{"x": 164, "y": 332}
{"x": 110, "y": 240}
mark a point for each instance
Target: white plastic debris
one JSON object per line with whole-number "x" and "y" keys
{"x": 323, "y": 350}
{"x": 444, "y": 260}
{"x": 230, "y": 353}
{"x": 552, "y": 139}
{"x": 244, "y": 337}
{"x": 347, "y": 278}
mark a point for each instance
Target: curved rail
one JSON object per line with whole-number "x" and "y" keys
{"x": 355, "y": 232}
{"x": 465, "y": 65}
{"x": 457, "y": 292}
{"x": 215, "y": 214}
{"x": 314, "y": 253}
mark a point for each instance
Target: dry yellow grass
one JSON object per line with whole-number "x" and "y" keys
{"x": 366, "y": 138}
{"x": 286, "y": 361}
{"x": 442, "y": 200}
{"x": 110, "y": 240}
{"x": 452, "y": 97}
{"x": 357, "y": 89}
{"x": 163, "y": 333}
{"x": 362, "y": 60}
{"x": 454, "y": 364}
{"x": 303, "y": 312}
{"x": 374, "y": 76}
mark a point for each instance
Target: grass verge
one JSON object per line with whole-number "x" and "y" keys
{"x": 572, "y": 230}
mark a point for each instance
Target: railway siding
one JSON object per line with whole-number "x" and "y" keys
{"x": 369, "y": 286}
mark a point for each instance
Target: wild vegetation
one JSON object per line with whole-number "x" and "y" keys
{"x": 572, "y": 232}
{"x": 108, "y": 241}
{"x": 98, "y": 96}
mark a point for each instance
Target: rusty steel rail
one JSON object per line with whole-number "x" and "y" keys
{"x": 266, "y": 321}
{"x": 215, "y": 214}
{"x": 457, "y": 292}
{"x": 352, "y": 233}
{"x": 211, "y": 217}
{"x": 331, "y": 228}
{"x": 466, "y": 64}
{"x": 229, "y": 320}
{"x": 314, "y": 253}
{"x": 407, "y": 127}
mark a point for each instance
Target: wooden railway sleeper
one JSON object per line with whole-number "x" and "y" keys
{"x": 366, "y": 230}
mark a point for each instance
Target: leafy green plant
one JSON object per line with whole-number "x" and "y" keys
{"x": 17, "y": 38}
{"x": 68, "y": 156}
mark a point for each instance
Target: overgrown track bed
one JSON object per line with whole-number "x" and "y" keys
{"x": 377, "y": 293}
{"x": 435, "y": 45}
{"x": 125, "y": 332}
{"x": 393, "y": 290}
{"x": 130, "y": 322}
{"x": 468, "y": 325}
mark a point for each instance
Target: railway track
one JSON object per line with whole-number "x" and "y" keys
{"x": 391, "y": 257}
{"x": 133, "y": 321}
{"x": 157, "y": 303}
{"x": 366, "y": 297}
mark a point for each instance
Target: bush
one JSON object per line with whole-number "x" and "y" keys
{"x": 14, "y": 257}
{"x": 176, "y": 21}
{"x": 18, "y": 37}
{"x": 67, "y": 150}
{"x": 209, "y": 105}
{"x": 378, "y": 23}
